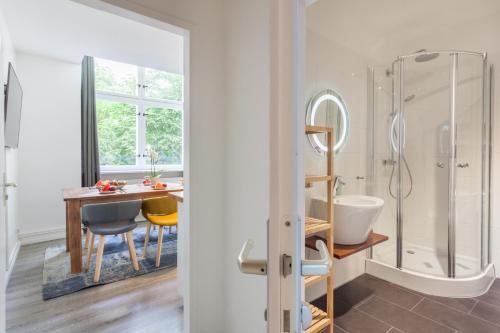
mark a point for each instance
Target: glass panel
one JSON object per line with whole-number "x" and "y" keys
{"x": 115, "y": 77}
{"x": 424, "y": 164}
{"x": 385, "y": 168}
{"x": 469, "y": 122}
{"x": 116, "y": 127}
{"x": 164, "y": 134}
{"x": 163, "y": 85}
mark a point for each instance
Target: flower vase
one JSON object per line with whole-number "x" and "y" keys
{"x": 155, "y": 180}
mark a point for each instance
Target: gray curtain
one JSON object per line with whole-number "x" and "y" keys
{"x": 90, "y": 148}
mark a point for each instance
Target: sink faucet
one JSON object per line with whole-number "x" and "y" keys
{"x": 338, "y": 183}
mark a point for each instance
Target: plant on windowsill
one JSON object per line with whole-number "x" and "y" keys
{"x": 154, "y": 175}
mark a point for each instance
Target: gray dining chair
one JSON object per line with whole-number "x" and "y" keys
{"x": 110, "y": 219}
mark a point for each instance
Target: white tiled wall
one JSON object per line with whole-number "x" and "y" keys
{"x": 331, "y": 66}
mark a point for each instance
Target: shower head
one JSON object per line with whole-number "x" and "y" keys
{"x": 425, "y": 56}
{"x": 409, "y": 98}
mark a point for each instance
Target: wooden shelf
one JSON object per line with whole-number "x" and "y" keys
{"x": 317, "y": 129}
{"x": 343, "y": 251}
{"x": 315, "y": 178}
{"x": 313, "y": 226}
{"x": 320, "y": 320}
{"x": 312, "y": 280}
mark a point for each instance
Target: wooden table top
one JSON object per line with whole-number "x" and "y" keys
{"x": 128, "y": 190}
{"x": 179, "y": 196}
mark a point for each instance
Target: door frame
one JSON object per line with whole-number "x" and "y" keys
{"x": 287, "y": 191}
{"x": 182, "y": 28}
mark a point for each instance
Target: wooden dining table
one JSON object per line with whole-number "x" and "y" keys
{"x": 76, "y": 198}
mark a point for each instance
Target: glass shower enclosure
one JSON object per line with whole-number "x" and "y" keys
{"x": 431, "y": 162}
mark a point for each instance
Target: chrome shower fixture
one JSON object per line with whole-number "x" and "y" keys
{"x": 425, "y": 56}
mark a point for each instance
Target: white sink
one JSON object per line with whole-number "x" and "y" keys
{"x": 355, "y": 216}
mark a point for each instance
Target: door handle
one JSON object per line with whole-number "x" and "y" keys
{"x": 440, "y": 165}
{"x": 321, "y": 266}
{"x": 10, "y": 185}
{"x": 463, "y": 165}
{"x": 250, "y": 266}
{"x": 306, "y": 315}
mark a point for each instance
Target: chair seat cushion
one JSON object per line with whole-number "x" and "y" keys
{"x": 112, "y": 228}
{"x": 164, "y": 220}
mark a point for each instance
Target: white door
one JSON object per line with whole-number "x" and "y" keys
{"x": 285, "y": 264}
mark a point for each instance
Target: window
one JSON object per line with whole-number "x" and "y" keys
{"x": 138, "y": 108}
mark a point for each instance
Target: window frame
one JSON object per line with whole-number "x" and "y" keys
{"x": 142, "y": 102}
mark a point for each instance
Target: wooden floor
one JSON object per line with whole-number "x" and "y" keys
{"x": 148, "y": 303}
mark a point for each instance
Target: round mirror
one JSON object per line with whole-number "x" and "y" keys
{"x": 327, "y": 109}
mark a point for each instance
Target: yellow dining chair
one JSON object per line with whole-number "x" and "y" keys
{"x": 163, "y": 213}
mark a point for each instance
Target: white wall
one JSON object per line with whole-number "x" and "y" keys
{"x": 247, "y": 158}
{"x": 6, "y": 55}
{"x": 11, "y": 165}
{"x": 49, "y": 147}
{"x": 333, "y": 66}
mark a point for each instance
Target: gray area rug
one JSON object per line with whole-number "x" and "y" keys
{"x": 116, "y": 264}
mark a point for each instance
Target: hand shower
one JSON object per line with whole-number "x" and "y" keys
{"x": 393, "y": 139}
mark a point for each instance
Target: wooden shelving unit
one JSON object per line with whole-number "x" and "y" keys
{"x": 322, "y": 321}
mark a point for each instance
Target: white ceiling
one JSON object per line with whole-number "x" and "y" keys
{"x": 383, "y": 29}
{"x": 67, "y": 30}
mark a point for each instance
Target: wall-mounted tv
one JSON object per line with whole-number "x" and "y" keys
{"x": 13, "y": 105}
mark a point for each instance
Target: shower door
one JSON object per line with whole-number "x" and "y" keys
{"x": 423, "y": 99}
{"x": 431, "y": 163}
{"x": 472, "y": 123}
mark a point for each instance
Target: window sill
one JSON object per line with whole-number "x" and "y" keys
{"x": 139, "y": 174}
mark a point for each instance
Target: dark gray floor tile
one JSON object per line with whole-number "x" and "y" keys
{"x": 394, "y": 330}
{"x": 338, "y": 329}
{"x": 460, "y": 304}
{"x": 487, "y": 311}
{"x": 357, "y": 322}
{"x": 496, "y": 285}
{"x": 401, "y": 318}
{"x": 453, "y": 318}
{"x": 387, "y": 291}
{"x": 354, "y": 292}
{"x": 491, "y": 297}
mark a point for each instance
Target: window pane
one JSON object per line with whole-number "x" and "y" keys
{"x": 116, "y": 128}
{"x": 163, "y": 85}
{"x": 164, "y": 134}
{"x": 115, "y": 77}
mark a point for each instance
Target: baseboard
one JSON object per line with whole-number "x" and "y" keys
{"x": 42, "y": 236}
{"x": 11, "y": 263}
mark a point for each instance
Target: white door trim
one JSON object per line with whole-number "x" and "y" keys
{"x": 285, "y": 232}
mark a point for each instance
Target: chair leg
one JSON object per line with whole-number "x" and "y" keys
{"x": 98, "y": 260}
{"x": 87, "y": 238}
{"x": 158, "y": 246}
{"x": 131, "y": 250}
{"x": 90, "y": 249}
{"x": 123, "y": 237}
{"x": 146, "y": 240}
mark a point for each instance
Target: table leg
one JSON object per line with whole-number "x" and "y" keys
{"x": 67, "y": 226}
{"x": 75, "y": 235}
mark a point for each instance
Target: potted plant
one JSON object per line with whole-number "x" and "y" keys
{"x": 154, "y": 175}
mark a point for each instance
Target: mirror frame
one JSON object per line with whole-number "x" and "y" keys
{"x": 328, "y": 95}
